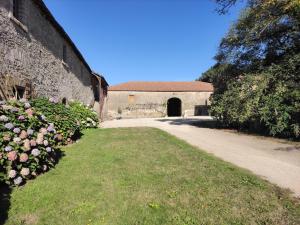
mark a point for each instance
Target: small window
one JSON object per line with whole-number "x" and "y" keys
{"x": 19, "y": 92}
{"x": 64, "y": 53}
{"x": 17, "y": 9}
{"x": 81, "y": 72}
{"x": 131, "y": 98}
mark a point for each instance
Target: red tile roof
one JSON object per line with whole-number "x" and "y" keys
{"x": 185, "y": 86}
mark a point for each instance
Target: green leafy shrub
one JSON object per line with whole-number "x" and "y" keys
{"x": 27, "y": 142}
{"x": 60, "y": 115}
{"x": 268, "y": 101}
{"x": 85, "y": 116}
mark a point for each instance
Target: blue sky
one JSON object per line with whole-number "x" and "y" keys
{"x": 144, "y": 40}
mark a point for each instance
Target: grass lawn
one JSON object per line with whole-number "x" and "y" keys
{"x": 143, "y": 176}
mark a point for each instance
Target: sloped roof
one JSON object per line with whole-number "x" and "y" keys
{"x": 101, "y": 77}
{"x": 183, "y": 86}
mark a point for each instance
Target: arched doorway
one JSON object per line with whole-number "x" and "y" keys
{"x": 174, "y": 107}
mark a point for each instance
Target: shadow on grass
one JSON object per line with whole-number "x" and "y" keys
{"x": 5, "y": 191}
{"x": 76, "y": 136}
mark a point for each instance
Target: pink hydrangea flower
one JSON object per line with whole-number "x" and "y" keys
{"x": 6, "y": 137}
{"x": 12, "y": 174}
{"x": 26, "y": 145}
{"x": 40, "y": 139}
{"x": 12, "y": 156}
{"x": 32, "y": 143}
{"x": 17, "y": 140}
{"x": 46, "y": 143}
{"x": 23, "y": 134}
{"x": 25, "y": 172}
{"x": 21, "y": 118}
{"x": 23, "y": 157}
{"x": 43, "y": 131}
{"x": 29, "y": 112}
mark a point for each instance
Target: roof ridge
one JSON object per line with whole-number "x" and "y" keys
{"x": 195, "y": 81}
{"x": 159, "y": 86}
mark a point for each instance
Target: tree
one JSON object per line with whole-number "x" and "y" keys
{"x": 256, "y": 77}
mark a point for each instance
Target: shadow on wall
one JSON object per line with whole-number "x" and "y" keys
{"x": 201, "y": 110}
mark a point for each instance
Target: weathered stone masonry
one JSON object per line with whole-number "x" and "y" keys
{"x": 33, "y": 49}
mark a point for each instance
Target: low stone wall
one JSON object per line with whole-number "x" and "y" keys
{"x": 135, "y": 104}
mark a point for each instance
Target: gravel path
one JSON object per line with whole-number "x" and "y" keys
{"x": 274, "y": 160}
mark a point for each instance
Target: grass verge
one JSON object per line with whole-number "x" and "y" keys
{"x": 134, "y": 176}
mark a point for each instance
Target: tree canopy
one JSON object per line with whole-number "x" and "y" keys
{"x": 257, "y": 74}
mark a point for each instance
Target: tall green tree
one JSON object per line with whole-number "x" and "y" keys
{"x": 256, "y": 77}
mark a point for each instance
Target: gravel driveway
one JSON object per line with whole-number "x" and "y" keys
{"x": 272, "y": 159}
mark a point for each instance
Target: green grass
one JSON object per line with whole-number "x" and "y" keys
{"x": 143, "y": 176}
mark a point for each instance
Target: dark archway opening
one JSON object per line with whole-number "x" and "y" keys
{"x": 174, "y": 107}
{"x": 64, "y": 101}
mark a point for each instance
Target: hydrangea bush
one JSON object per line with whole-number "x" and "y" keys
{"x": 30, "y": 133}
{"x": 85, "y": 116}
{"x": 27, "y": 142}
{"x": 60, "y": 115}
{"x": 69, "y": 120}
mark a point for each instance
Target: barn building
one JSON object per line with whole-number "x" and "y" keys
{"x": 158, "y": 99}
{"x": 38, "y": 58}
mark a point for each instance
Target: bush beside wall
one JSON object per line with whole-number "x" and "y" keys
{"x": 30, "y": 133}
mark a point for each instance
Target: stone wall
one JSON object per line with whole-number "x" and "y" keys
{"x": 33, "y": 49}
{"x": 134, "y": 104}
